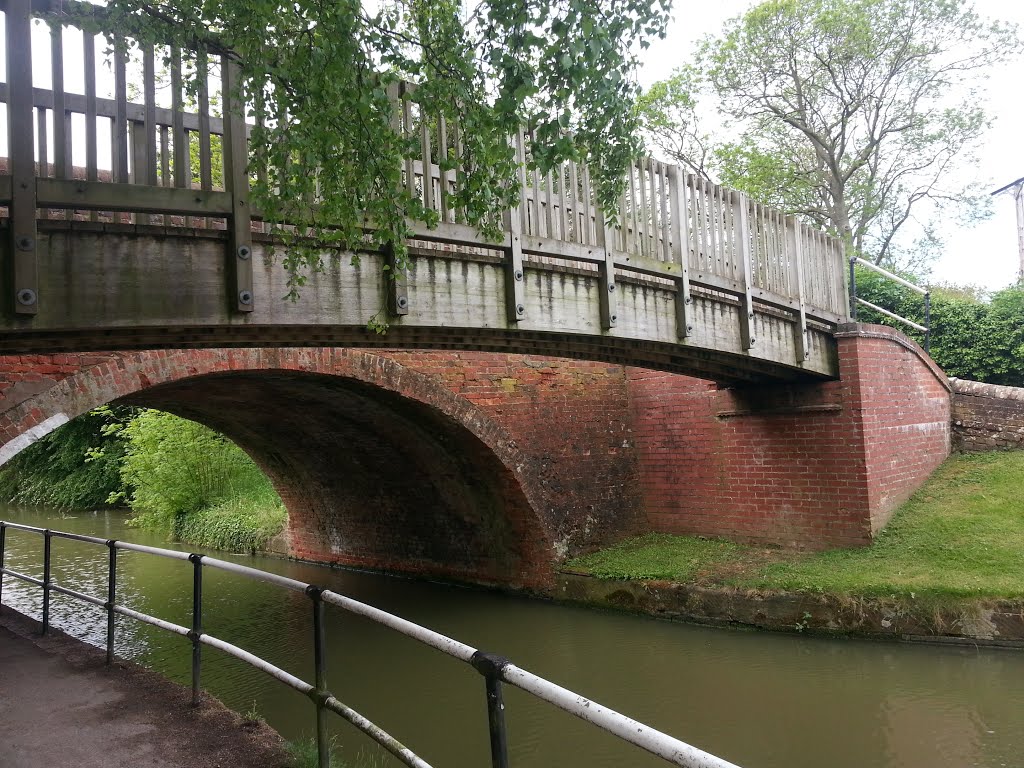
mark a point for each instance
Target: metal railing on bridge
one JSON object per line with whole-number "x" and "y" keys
{"x": 495, "y": 669}
{"x": 674, "y": 228}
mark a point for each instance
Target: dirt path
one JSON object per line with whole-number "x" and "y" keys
{"x": 60, "y": 705}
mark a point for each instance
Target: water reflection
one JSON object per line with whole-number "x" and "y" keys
{"x": 760, "y": 700}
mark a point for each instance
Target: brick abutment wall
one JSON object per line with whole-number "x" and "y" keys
{"x": 987, "y": 417}
{"x": 811, "y": 465}
{"x": 493, "y": 468}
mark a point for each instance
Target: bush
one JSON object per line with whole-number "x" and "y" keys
{"x": 76, "y": 466}
{"x": 973, "y": 337}
{"x": 194, "y": 484}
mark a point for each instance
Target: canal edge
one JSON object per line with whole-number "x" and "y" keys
{"x": 971, "y": 622}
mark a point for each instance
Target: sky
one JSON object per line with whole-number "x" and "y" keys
{"x": 986, "y": 254}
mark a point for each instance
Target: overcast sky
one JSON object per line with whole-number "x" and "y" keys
{"x": 985, "y": 254}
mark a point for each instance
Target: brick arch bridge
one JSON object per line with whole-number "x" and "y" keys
{"x": 493, "y": 468}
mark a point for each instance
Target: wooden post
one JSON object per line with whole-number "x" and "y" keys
{"x": 606, "y": 276}
{"x": 120, "y": 129}
{"x": 22, "y": 265}
{"x": 794, "y": 246}
{"x": 681, "y": 250}
{"x": 236, "y": 183}
{"x": 61, "y": 136}
{"x": 742, "y": 210}
{"x": 397, "y": 279}
{"x": 515, "y": 276}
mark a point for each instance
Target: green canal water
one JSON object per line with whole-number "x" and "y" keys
{"x": 759, "y": 700}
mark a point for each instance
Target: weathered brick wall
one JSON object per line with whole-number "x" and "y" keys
{"x": 905, "y": 403}
{"x": 816, "y": 464}
{"x": 476, "y": 465}
{"x": 987, "y": 417}
{"x": 492, "y": 467}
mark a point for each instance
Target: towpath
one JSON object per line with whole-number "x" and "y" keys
{"x": 60, "y": 705}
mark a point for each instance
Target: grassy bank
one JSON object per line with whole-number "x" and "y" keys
{"x": 961, "y": 536}
{"x": 196, "y": 485}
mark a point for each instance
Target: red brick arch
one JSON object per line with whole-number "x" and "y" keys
{"x": 379, "y": 465}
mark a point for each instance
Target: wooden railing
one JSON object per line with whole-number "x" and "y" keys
{"x": 77, "y": 153}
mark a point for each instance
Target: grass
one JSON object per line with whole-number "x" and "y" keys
{"x": 960, "y": 536}
{"x": 303, "y": 754}
{"x": 243, "y": 523}
{"x": 657, "y": 556}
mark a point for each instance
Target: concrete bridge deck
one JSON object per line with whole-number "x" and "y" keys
{"x": 61, "y": 706}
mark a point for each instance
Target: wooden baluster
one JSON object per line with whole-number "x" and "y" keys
{"x": 120, "y": 128}
{"x": 407, "y": 122}
{"x": 149, "y": 88}
{"x": 536, "y": 230}
{"x": 205, "y": 159}
{"x": 61, "y": 135}
{"x": 179, "y": 137}
{"x": 549, "y": 210}
{"x": 43, "y": 144}
{"x": 714, "y": 226}
{"x": 667, "y": 223}
{"x": 574, "y": 205}
{"x": 698, "y": 213}
{"x": 635, "y": 211}
{"x": 89, "y": 63}
{"x": 442, "y": 161}
{"x": 588, "y": 212}
{"x": 427, "y": 162}
{"x": 759, "y": 243}
{"x": 563, "y": 203}
{"x": 23, "y": 268}
{"x": 460, "y": 171}
{"x": 793, "y": 246}
{"x": 165, "y": 158}
{"x": 653, "y": 222}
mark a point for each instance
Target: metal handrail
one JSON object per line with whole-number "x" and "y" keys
{"x": 856, "y": 301}
{"x": 495, "y": 669}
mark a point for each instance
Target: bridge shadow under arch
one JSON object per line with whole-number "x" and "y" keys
{"x": 379, "y": 466}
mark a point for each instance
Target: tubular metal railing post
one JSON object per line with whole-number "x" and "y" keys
{"x": 853, "y": 288}
{"x": 46, "y": 579}
{"x": 490, "y": 665}
{"x": 320, "y": 693}
{"x": 928, "y": 322}
{"x": 3, "y": 549}
{"x": 197, "y": 624}
{"x": 111, "y": 596}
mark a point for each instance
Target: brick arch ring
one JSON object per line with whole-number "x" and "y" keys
{"x": 146, "y": 378}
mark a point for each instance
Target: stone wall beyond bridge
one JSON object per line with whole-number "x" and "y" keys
{"x": 493, "y": 467}
{"x": 987, "y": 417}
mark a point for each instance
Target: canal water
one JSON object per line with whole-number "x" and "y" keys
{"x": 760, "y": 700}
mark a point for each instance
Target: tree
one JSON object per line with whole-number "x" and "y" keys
{"x": 668, "y": 118}
{"x": 854, "y": 114}
{"x": 322, "y": 72}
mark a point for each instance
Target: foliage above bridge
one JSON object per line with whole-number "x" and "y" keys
{"x": 322, "y": 74}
